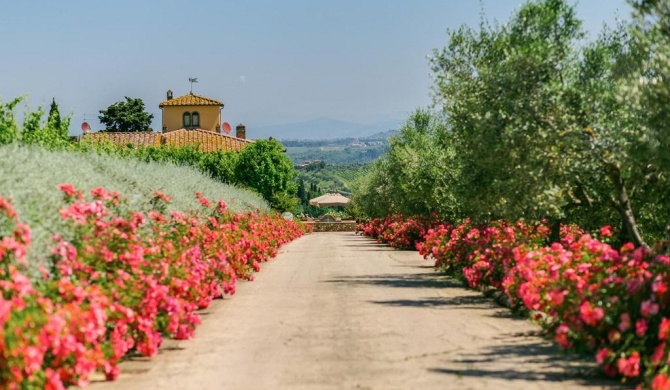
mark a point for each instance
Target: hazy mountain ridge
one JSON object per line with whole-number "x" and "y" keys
{"x": 324, "y": 128}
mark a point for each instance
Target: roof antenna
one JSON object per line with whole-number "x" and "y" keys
{"x": 192, "y": 80}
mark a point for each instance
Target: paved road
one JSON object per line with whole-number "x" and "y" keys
{"x": 338, "y": 311}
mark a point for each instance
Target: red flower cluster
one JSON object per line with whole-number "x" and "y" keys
{"x": 612, "y": 303}
{"x": 398, "y": 231}
{"x": 121, "y": 283}
{"x": 482, "y": 254}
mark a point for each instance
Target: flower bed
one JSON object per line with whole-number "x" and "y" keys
{"x": 122, "y": 282}
{"x": 594, "y": 299}
{"x": 398, "y": 231}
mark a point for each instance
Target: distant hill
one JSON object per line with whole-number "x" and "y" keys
{"x": 324, "y": 128}
{"x": 383, "y": 135}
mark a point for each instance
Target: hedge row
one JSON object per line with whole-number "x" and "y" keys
{"x": 122, "y": 283}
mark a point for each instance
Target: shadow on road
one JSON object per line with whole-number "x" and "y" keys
{"x": 525, "y": 356}
{"x": 421, "y": 280}
{"x": 546, "y": 364}
{"x": 466, "y": 301}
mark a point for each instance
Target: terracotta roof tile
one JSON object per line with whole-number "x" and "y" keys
{"x": 207, "y": 141}
{"x": 191, "y": 99}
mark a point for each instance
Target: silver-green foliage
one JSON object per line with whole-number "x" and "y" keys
{"x": 31, "y": 174}
{"x": 541, "y": 124}
{"x": 548, "y": 127}
{"x": 416, "y": 176}
{"x": 507, "y": 93}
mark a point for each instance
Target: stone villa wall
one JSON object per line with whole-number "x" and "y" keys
{"x": 344, "y": 226}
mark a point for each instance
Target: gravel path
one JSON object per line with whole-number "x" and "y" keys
{"x": 338, "y": 311}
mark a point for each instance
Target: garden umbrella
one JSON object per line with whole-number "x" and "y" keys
{"x": 329, "y": 200}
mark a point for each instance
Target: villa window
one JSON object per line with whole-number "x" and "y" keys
{"x": 195, "y": 119}
{"x": 186, "y": 120}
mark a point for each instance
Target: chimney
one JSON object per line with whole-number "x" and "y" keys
{"x": 169, "y": 94}
{"x": 241, "y": 131}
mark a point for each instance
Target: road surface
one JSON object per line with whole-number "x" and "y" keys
{"x": 339, "y": 311}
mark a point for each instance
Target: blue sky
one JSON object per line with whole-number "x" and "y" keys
{"x": 270, "y": 62}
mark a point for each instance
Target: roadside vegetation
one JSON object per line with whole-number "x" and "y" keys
{"x": 543, "y": 174}
{"x": 261, "y": 167}
{"x": 106, "y": 250}
{"x": 31, "y": 176}
{"x": 532, "y": 121}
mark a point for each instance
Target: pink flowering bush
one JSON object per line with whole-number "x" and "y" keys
{"x": 398, "y": 231}
{"x": 122, "y": 282}
{"x": 599, "y": 300}
{"x": 481, "y": 254}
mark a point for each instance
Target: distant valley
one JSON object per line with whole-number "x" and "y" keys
{"x": 338, "y": 151}
{"x": 335, "y": 165}
{"x": 324, "y": 128}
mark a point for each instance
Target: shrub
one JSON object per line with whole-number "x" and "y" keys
{"x": 124, "y": 281}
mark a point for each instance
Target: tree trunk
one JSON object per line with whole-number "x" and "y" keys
{"x": 624, "y": 206}
{"x": 555, "y": 230}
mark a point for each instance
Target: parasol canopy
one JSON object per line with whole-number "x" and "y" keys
{"x": 329, "y": 200}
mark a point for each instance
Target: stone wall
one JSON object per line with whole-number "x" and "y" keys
{"x": 345, "y": 226}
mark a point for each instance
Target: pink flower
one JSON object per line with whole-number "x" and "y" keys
{"x": 5, "y": 310}
{"x": 630, "y": 366}
{"x": 606, "y": 231}
{"x": 590, "y": 315}
{"x": 53, "y": 380}
{"x": 657, "y": 356}
{"x": 659, "y": 287}
{"x": 33, "y": 358}
{"x": 7, "y": 208}
{"x": 557, "y": 296}
{"x": 161, "y": 195}
{"x": 602, "y": 355}
{"x": 661, "y": 382}
{"x": 648, "y": 308}
{"x": 641, "y": 327}
{"x": 562, "y": 335}
{"x": 100, "y": 193}
{"x": 70, "y": 191}
{"x": 664, "y": 329}
{"x": 112, "y": 372}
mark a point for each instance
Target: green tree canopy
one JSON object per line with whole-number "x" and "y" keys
{"x": 54, "y": 114}
{"x": 128, "y": 115}
{"x": 416, "y": 176}
{"x": 540, "y": 124}
{"x": 264, "y": 167}
{"x": 52, "y": 133}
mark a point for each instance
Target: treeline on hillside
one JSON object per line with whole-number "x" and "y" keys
{"x": 320, "y": 178}
{"x": 536, "y": 123}
{"x": 262, "y": 166}
{"x": 379, "y": 137}
{"x": 334, "y": 177}
{"x": 337, "y": 155}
